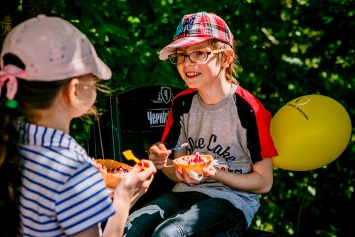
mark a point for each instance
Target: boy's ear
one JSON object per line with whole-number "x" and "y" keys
{"x": 228, "y": 58}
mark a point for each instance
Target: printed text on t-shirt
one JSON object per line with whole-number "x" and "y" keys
{"x": 212, "y": 146}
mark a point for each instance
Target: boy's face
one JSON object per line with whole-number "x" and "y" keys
{"x": 203, "y": 74}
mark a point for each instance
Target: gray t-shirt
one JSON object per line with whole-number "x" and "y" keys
{"x": 224, "y": 131}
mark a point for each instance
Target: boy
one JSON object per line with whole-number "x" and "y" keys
{"x": 215, "y": 117}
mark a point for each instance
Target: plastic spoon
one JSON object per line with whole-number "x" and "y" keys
{"x": 176, "y": 149}
{"x": 179, "y": 148}
{"x": 129, "y": 156}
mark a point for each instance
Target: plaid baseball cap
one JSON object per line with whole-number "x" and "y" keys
{"x": 196, "y": 28}
{"x": 51, "y": 49}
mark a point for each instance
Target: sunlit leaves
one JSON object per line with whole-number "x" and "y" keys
{"x": 287, "y": 49}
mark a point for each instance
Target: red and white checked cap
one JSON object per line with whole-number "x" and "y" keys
{"x": 196, "y": 28}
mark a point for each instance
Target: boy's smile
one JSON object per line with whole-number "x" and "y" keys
{"x": 201, "y": 74}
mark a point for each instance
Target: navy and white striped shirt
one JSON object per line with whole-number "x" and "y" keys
{"x": 62, "y": 191}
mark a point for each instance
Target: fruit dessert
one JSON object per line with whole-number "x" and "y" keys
{"x": 191, "y": 160}
{"x": 112, "y": 171}
{"x": 195, "y": 163}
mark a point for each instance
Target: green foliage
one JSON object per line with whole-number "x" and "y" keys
{"x": 286, "y": 48}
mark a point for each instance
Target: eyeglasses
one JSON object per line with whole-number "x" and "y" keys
{"x": 195, "y": 57}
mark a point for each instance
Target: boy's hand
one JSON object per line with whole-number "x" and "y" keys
{"x": 158, "y": 154}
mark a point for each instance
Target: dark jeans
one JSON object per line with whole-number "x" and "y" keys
{"x": 186, "y": 214}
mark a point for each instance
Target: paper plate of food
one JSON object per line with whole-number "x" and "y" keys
{"x": 193, "y": 164}
{"x": 112, "y": 171}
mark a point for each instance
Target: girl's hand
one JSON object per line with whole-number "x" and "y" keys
{"x": 135, "y": 183}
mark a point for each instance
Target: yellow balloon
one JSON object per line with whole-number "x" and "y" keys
{"x": 309, "y": 132}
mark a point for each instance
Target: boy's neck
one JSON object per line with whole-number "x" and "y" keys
{"x": 214, "y": 94}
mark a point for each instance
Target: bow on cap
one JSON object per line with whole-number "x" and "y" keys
{"x": 10, "y": 72}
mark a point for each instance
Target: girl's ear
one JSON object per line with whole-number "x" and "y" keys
{"x": 73, "y": 90}
{"x": 228, "y": 58}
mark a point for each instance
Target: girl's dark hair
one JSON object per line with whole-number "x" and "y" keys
{"x": 30, "y": 95}
{"x": 10, "y": 174}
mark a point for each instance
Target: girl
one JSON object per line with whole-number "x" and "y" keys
{"x": 49, "y": 185}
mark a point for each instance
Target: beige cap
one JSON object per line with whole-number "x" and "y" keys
{"x": 53, "y": 49}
